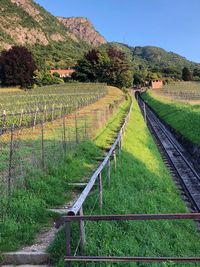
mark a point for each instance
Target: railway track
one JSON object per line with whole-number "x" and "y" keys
{"x": 177, "y": 157}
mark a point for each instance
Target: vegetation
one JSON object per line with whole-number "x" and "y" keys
{"x": 186, "y": 74}
{"x": 105, "y": 65}
{"x": 17, "y": 67}
{"x": 45, "y": 100}
{"x": 184, "y": 118}
{"x": 181, "y": 90}
{"x": 141, "y": 184}
{"x": 27, "y": 211}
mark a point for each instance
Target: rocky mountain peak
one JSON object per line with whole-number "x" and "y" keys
{"x": 82, "y": 28}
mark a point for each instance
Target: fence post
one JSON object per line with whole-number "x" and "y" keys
{"x": 35, "y": 119}
{"x": 21, "y": 118}
{"x": 119, "y": 148}
{"x": 4, "y": 118}
{"x": 68, "y": 241}
{"x": 115, "y": 159}
{"x": 64, "y": 134}
{"x": 10, "y": 161}
{"x": 42, "y": 143}
{"x": 100, "y": 191}
{"x": 61, "y": 107}
{"x": 108, "y": 172}
{"x": 52, "y": 113}
{"x": 82, "y": 232}
{"x": 76, "y": 128}
{"x": 85, "y": 127}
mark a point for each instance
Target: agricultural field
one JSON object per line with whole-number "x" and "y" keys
{"x": 183, "y": 117}
{"x": 48, "y": 187}
{"x": 24, "y": 108}
{"x": 181, "y": 91}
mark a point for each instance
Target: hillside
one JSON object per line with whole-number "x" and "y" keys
{"x": 23, "y": 22}
{"x": 82, "y": 29}
{"x": 60, "y": 42}
{"x": 157, "y": 59}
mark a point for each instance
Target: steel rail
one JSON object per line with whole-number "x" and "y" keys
{"x": 152, "y": 116}
{"x": 131, "y": 259}
{"x": 132, "y": 217}
{"x": 172, "y": 141}
{"x": 81, "y": 199}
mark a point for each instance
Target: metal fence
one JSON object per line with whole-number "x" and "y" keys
{"x": 23, "y": 149}
{"x": 76, "y": 210}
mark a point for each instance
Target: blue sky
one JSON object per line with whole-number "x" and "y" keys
{"x": 171, "y": 24}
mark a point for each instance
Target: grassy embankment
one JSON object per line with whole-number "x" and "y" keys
{"x": 142, "y": 184}
{"x": 42, "y": 190}
{"x": 184, "y": 118}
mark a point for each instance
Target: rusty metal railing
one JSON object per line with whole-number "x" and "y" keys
{"x": 96, "y": 178}
{"x": 69, "y": 219}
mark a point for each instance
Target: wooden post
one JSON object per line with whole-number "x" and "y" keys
{"x": 35, "y": 118}
{"x": 76, "y": 128}
{"x": 4, "y": 118}
{"x": 82, "y": 232}
{"x": 10, "y": 161}
{"x": 119, "y": 148}
{"x": 64, "y": 134}
{"x": 60, "y": 111}
{"x": 42, "y": 143}
{"x": 85, "y": 127}
{"x": 115, "y": 159}
{"x": 68, "y": 241}
{"x": 108, "y": 172}
{"x": 100, "y": 191}
{"x": 21, "y": 118}
{"x": 52, "y": 113}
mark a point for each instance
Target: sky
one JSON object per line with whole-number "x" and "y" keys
{"x": 170, "y": 24}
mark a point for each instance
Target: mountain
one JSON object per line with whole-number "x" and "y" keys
{"x": 81, "y": 28}
{"x": 23, "y": 22}
{"x": 60, "y": 42}
{"x": 156, "y": 59}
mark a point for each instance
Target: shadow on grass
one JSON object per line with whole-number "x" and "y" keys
{"x": 135, "y": 188}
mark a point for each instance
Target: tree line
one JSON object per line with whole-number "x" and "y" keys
{"x": 106, "y": 64}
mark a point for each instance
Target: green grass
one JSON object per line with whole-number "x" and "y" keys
{"x": 42, "y": 190}
{"x": 184, "y": 118}
{"x": 142, "y": 184}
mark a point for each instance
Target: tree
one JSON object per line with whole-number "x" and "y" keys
{"x": 17, "y": 67}
{"x": 186, "y": 74}
{"x": 45, "y": 78}
{"x": 109, "y": 65}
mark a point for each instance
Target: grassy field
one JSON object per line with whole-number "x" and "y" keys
{"x": 27, "y": 212}
{"x": 142, "y": 184}
{"x": 181, "y": 91}
{"x": 183, "y": 117}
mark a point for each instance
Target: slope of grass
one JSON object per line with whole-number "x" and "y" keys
{"x": 27, "y": 212}
{"x": 141, "y": 184}
{"x": 184, "y": 118}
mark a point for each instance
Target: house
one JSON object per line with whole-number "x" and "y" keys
{"x": 63, "y": 73}
{"x": 156, "y": 84}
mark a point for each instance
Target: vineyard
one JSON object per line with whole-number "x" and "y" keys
{"x": 45, "y": 131}
{"x": 181, "y": 90}
{"x": 27, "y": 108}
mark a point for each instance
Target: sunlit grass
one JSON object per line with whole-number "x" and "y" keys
{"x": 142, "y": 184}
{"x": 184, "y": 118}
